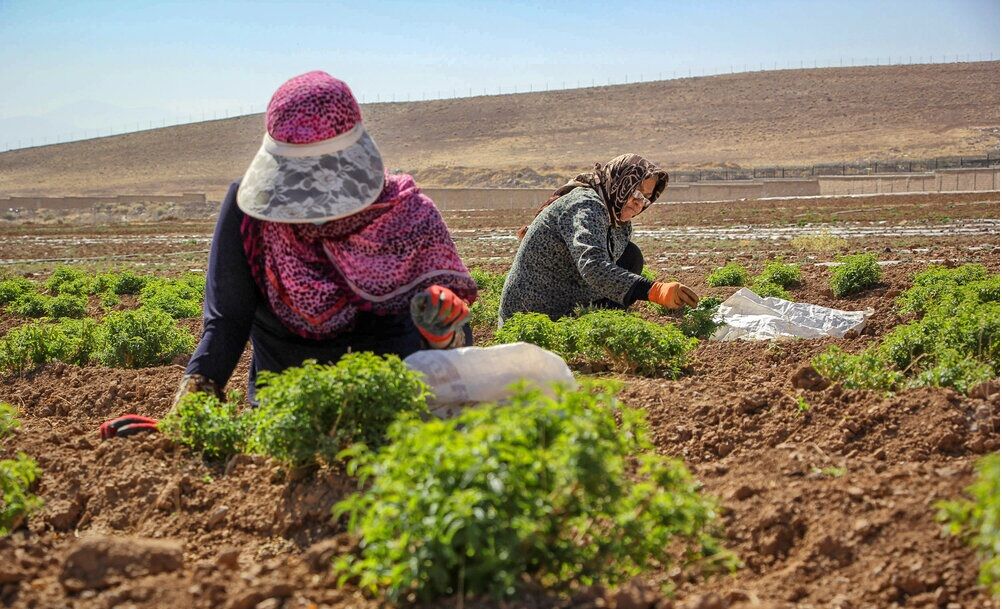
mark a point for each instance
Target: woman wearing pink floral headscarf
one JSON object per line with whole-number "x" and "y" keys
{"x": 318, "y": 250}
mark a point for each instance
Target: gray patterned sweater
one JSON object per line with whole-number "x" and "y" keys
{"x": 567, "y": 258}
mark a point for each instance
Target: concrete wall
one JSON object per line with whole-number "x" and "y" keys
{"x": 944, "y": 180}
{"x": 487, "y": 198}
{"x": 34, "y": 203}
{"x": 741, "y": 189}
{"x": 947, "y": 180}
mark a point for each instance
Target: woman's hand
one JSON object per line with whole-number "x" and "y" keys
{"x": 672, "y": 295}
{"x": 438, "y": 314}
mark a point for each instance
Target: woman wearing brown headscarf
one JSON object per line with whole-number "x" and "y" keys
{"x": 577, "y": 250}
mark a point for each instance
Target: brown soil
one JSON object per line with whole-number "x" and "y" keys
{"x": 832, "y": 507}
{"x": 788, "y": 117}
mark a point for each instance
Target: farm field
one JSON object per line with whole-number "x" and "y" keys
{"x": 827, "y": 494}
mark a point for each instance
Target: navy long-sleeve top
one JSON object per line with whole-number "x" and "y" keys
{"x": 235, "y": 310}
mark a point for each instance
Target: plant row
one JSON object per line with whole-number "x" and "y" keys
{"x": 607, "y": 337}
{"x": 130, "y": 339}
{"x": 773, "y": 281}
{"x": 954, "y": 342}
{"x": 65, "y": 294}
{"x": 854, "y": 274}
{"x": 560, "y": 490}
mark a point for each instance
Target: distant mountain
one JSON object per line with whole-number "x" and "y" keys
{"x": 756, "y": 119}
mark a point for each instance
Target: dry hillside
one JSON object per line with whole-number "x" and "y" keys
{"x": 788, "y": 117}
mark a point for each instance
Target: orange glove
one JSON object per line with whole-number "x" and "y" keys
{"x": 438, "y": 313}
{"x": 672, "y": 295}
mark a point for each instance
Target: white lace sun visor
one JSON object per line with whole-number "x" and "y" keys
{"x": 312, "y": 182}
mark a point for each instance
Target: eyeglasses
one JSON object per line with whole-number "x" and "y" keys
{"x": 642, "y": 198}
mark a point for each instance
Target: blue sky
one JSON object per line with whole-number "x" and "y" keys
{"x": 81, "y": 65}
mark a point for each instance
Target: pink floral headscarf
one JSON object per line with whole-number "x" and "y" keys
{"x": 317, "y": 278}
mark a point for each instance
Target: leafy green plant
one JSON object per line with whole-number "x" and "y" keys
{"x": 177, "y": 298}
{"x": 117, "y": 284}
{"x": 697, "y": 322}
{"x": 193, "y": 281}
{"x": 954, "y": 343}
{"x": 16, "y": 501}
{"x": 779, "y": 273}
{"x": 767, "y": 289}
{"x": 866, "y": 370}
{"x": 27, "y": 346}
{"x": 142, "y": 337}
{"x": 109, "y": 300}
{"x": 802, "y": 406}
{"x": 535, "y": 328}
{"x": 312, "y": 412}
{"x": 71, "y": 340}
{"x": 206, "y": 424}
{"x": 128, "y": 282}
{"x": 66, "y": 305}
{"x": 648, "y": 274}
{"x": 931, "y": 286}
{"x": 14, "y": 288}
{"x": 546, "y": 488}
{"x": 951, "y": 369}
{"x": 30, "y": 304}
{"x": 731, "y": 274}
{"x": 484, "y": 312}
{"x": 605, "y": 336}
{"x": 855, "y": 273}
{"x": 81, "y": 339}
{"x": 629, "y": 343}
{"x": 68, "y": 280}
{"x": 8, "y": 419}
{"x": 976, "y": 520}
{"x": 16, "y": 478}
{"x": 101, "y": 283}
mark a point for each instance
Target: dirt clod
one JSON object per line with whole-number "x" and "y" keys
{"x": 741, "y": 493}
{"x": 100, "y": 561}
{"x": 217, "y": 516}
{"x": 983, "y": 391}
{"x": 635, "y": 595}
{"x": 809, "y": 379}
{"x": 228, "y": 558}
{"x": 250, "y": 598}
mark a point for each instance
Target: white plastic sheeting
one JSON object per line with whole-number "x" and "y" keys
{"x": 747, "y": 316}
{"x": 486, "y": 374}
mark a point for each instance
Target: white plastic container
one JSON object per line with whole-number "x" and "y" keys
{"x": 485, "y": 374}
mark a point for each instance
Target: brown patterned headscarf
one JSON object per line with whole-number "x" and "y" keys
{"x": 615, "y": 182}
